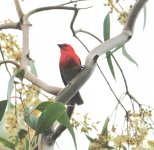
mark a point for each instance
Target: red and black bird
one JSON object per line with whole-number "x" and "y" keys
{"x": 70, "y": 66}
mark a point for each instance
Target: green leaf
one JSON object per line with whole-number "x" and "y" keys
{"x": 64, "y": 119}
{"x": 42, "y": 106}
{"x": 128, "y": 56}
{"x": 32, "y": 67}
{"x": 105, "y": 127}
{"x": 49, "y": 116}
{"x": 106, "y": 31}
{"x": 30, "y": 119}
{"x": 109, "y": 61}
{"x": 90, "y": 138}
{"x": 19, "y": 74}
{"x": 106, "y": 27}
{"x": 7, "y": 143}
{"x": 2, "y": 108}
{"x": 145, "y": 16}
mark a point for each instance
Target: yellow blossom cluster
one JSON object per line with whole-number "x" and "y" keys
{"x": 14, "y": 117}
{"x": 86, "y": 125}
{"x": 135, "y": 133}
{"x": 11, "y": 126}
{"x": 9, "y": 46}
{"x": 30, "y": 96}
{"x": 114, "y": 5}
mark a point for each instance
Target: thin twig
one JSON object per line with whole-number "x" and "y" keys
{"x": 50, "y": 8}
{"x": 123, "y": 76}
{"x": 73, "y": 1}
{"x": 9, "y": 61}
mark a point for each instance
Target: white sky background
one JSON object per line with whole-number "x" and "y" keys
{"x": 52, "y": 27}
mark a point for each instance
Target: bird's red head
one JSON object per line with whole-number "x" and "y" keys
{"x": 68, "y": 51}
{"x": 66, "y": 48}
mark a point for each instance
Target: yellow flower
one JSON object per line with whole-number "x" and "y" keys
{"x": 123, "y": 17}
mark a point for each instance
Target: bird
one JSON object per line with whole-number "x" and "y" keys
{"x": 70, "y": 66}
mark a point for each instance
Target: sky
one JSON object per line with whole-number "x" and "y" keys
{"x": 52, "y": 27}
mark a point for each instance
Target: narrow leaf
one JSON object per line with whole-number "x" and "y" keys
{"x": 64, "y": 119}
{"x": 30, "y": 119}
{"x": 2, "y": 108}
{"x": 19, "y": 74}
{"x": 105, "y": 126}
{"x": 49, "y": 116}
{"x": 106, "y": 27}
{"x": 90, "y": 138}
{"x": 128, "y": 56}
{"x": 7, "y": 143}
{"x": 106, "y": 31}
{"x": 32, "y": 67}
{"x": 109, "y": 61}
{"x": 145, "y": 16}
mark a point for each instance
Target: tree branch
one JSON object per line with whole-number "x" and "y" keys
{"x": 18, "y": 9}
{"x": 10, "y": 25}
{"x": 50, "y": 8}
{"x": 25, "y": 46}
{"x": 36, "y": 81}
{"x": 9, "y": 61}
{"x": 32, "y": 78}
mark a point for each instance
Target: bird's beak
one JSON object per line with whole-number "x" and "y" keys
{"x": 60, "y": 45}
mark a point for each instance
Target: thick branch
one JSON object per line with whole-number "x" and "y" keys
{"x": 25, "y": 45}
{"x": 10, "y": 25}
